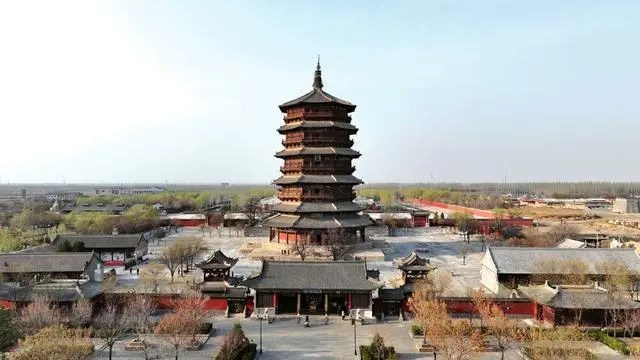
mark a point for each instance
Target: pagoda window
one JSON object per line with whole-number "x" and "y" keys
{"x": 317, "y": 158}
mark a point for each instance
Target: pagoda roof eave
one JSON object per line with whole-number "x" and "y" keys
{"x": 317, "y": 96}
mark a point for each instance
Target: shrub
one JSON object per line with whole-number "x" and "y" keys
{"x": 416, "y": 330}
{"x": 129, "y": 263}
{"x": 55, "y": 342}
{"x": 377, "y": 350}
{"x": 205, "y": 328}
{"x": 234, "y": 344}
{"x": 617, "y": 345}
{"x": 543, "y": 352}
{"x": 8, "y": 331}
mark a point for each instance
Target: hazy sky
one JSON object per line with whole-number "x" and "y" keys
{"x": 187, "y": 91}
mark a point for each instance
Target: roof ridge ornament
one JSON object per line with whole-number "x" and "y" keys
{"x": 317, "y": 77}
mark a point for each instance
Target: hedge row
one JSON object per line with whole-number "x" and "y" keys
{"x": 618, "y": 345}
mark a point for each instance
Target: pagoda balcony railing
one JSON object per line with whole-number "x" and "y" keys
{"x": 312, "y": 169}
{"x": 317, "y": 114}
{"x": 316, "y": 141}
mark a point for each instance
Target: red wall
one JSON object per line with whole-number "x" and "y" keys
{"x": 249, "y": 305}
{"x": 420, "y": 221}
{"x": 509, "y": 307}
{"x": 215, "y": 304}
{"x": 189, "y": 222}
{"x": 476, "y": 212}
{"x": 5, "y": 304}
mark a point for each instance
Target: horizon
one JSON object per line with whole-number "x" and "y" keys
{"x": 159, "y": 93}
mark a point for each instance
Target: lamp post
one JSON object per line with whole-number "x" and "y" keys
{"x": 353, "y": 322}
{"x": 260, "y": 318}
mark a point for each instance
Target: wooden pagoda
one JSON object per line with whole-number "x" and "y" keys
{"x": 316, "y": 186}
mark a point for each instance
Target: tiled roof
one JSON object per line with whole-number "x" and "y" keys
{"x": 101, "y": 241}
{"x": 218, "y": 260}
{"x": 577, "y": 297}
{"x": 54, "y": 262}
{"x": 307, "y": 150}
{"x": 311, "y": 275}
{"x": 522, "y": 260}
{"x": 413, "y": 262}
{"x": 320, "y": 222}
{"x": 302, "y": 207}
{"x": 57, "y": 291}
{"x": 317, "y": 179}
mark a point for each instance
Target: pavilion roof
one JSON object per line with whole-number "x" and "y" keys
{"x": 317, "y": 96}
{"x": 217, "y": 260}
{"x": 413, "y": 262}
{"x": 51, "y": 262}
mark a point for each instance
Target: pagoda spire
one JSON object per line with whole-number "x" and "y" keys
{"x": 317, "y": 77}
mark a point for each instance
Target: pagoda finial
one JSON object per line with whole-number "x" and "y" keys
{"x": 317, "y": 78}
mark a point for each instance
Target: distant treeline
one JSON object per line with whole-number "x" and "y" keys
{"x": 186, "y": 200}
{"x": 546, "y": 189}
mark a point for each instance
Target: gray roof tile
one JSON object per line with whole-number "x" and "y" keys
{"x": 311, "y": 275}
{"x": 101, "y": 241}
{"x": 53, "y": 262}
{"x": 521, "y": 260}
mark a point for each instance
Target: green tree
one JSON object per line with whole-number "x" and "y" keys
{"x": 9, "y": 330}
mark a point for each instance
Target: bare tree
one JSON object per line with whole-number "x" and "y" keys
{"x": 152, "y": 276}
{"x": 110, "y": 324}
{"x": 174, "y": 326}
{"x": 80, "y": 314}
{"x": 562, "y": 231}
{"x": 391, "y": 223}
{"x": 338, "y": 244}
{"x": 301, "y": 248}
{"x": 170, "y": 258}
{"x": 250, "y": 209}
{"x": 619, "y": 281}
{"x": 39, "y": 314}
{"x": 464, "y": 250}
{"x": 140, "y": 308}
{"x": 504, "y": 331}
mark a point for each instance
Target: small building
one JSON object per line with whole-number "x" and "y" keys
{"x": 232, "y": 219}
{"x": 591, "y": 240}
{"x": 187, "y": 220}
{"x": 583, "y": 305}
{"x": 402, "y": 219}
{"x": 112, "y": 209}
{"x": 627, "y": 205}
{"x": 219, "y": 286}
{"x": 514, "y": 266}
{"x": 63, "y": 277}
{"x": 217, "y": 267}
{"x": 309, "y": 287}
{"x": 114, "y": 250}
{"x": 413, "y": 267}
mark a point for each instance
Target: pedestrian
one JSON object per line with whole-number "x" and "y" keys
{"x": 130, "y": 270}
{"x": 306, "y": 321}
{"x": 137, "y": 271}
{"x": 342, "y": 313}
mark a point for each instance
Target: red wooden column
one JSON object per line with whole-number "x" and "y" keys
{"x": 349, "y": 301}
{"x": 275, "y": 300}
